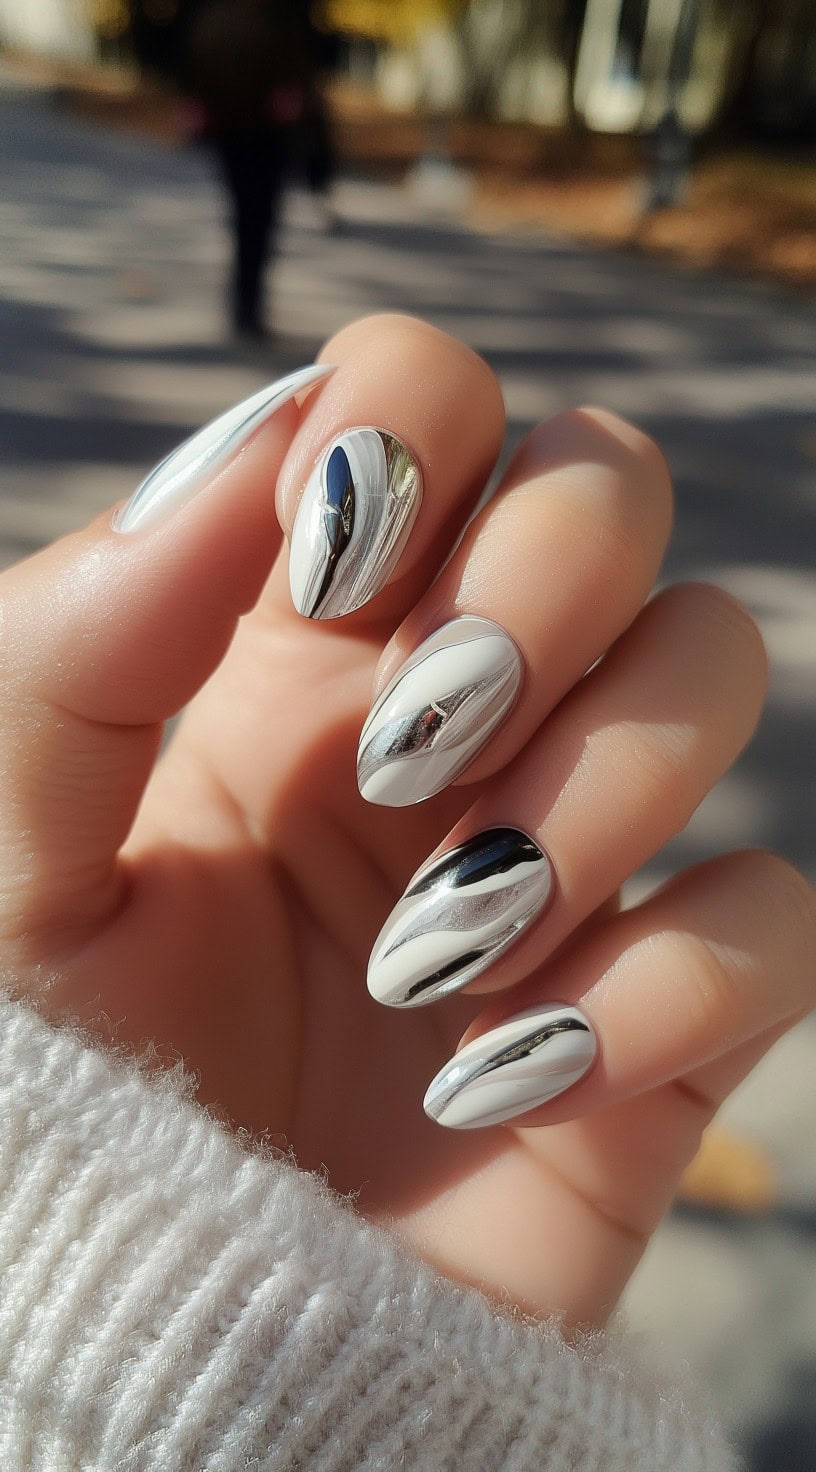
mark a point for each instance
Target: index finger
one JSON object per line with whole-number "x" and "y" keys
{"x": 384, "y": 469}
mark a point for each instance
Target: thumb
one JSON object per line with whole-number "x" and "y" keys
{"x": 105, "y": 634}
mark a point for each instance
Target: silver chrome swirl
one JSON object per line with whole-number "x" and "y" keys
{"x": 440, "y": 709}
{"x": 460, "y": 913}
{"x": 513, "y": 1068}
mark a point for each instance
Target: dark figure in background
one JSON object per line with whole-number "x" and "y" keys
{"x": 252, "y": 67}
{"x": 316, "y": 161}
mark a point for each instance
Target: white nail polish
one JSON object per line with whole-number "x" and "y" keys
{"x": 354, "y": 518}
{"x": 199, "y": 459}
{"x": 515, "y": 1067}
{"x": 461, "y": 911}
{"x": 438, "y": 712}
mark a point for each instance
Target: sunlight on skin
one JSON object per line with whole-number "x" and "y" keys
{"x": 733, "y": 367}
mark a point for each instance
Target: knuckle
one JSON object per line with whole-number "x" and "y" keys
{"x": 643, "y": 453}
{"x": 665, "y": 775}
{"x": 726, "y": 609}
{"x": 748, "y": 965}
{"x": 634, "y": 439}
{"x": 712, "y": 605}
{"x": 712, "y": 995}
{"x": 654, "y": 464}
{"x": 721, "y": 626}
{"x": 775, "y": 886}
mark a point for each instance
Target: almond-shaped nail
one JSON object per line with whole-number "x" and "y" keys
{"x": 438, "y": 712}
{"x": 354, "y": 518}
{"x": 515, "y": 1067}
{"x": 199, "y": 459}
{"x": 461, "y": 911}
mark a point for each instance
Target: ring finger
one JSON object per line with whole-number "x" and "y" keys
{"x": 383, "y": 470}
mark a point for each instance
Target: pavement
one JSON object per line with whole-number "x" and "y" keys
{"x": 112, "y": 349}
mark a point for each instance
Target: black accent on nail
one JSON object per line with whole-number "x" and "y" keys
{"x": 459, "y": 1075}
{"x": 493, "y": 851}
{"x": 525, "y": 1046}
{"x": 458, "y": 964}
{"x": 338, "y": 516}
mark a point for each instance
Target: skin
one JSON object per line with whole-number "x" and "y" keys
{"x": 221, "y": 904}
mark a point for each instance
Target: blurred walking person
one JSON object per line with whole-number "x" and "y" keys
{"x": 251, "y": 65}
{"x": 317, "y": 161}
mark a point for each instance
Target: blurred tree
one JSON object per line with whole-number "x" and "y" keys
{"x": 393, "y": 22}
{"x": 773, "y": 69}
{"x": 488, "y": 35}
{"x": 751, "y": 66}
{"x": 571, "y": 26}
{"x": 109, "y": 18}
{"x": 109, "y": 21}
{"x": 491, "y": 35}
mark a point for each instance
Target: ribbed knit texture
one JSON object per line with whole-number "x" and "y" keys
{"x": 170, "y": 1302}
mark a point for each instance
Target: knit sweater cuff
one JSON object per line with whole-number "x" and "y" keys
{"x": 172, "y": 1301}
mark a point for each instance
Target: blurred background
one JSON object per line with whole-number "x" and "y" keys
{"x": 613, "y": 201}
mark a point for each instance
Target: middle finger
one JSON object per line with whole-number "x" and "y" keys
{"x": 546, "y": 578}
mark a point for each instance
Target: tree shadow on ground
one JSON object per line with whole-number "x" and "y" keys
{"x": 719, "y": 372}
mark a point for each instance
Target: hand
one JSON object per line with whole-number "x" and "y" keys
{"x": 222, "y": 903}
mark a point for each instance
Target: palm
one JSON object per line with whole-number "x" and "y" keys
{"x": 288, "y": 890}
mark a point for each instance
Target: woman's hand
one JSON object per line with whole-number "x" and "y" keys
{"x": 222, "y": 904}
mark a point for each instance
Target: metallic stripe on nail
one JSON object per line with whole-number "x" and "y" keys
{"x": 352, "y": 523}
{"x": 515, "y": 1067}
{"x": 437, "y": 713}
{"x": 460, "y": 912}
{"x": 200, "y": 458}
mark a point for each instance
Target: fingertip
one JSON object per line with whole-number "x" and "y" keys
{"x": 433, "y": 392}
{"x": 198, "y": 464}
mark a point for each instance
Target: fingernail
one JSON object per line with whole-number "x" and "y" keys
{"x": 440, "y": 709}
{"x": 460, "y": 912}
{"x": 199, "y": 459}
{"x": 515, "y": 1067}
{"x": 352, "y": 523}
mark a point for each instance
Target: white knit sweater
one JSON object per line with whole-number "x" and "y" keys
{"x": 171, "y": 1301}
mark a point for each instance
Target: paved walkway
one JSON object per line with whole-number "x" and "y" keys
{"x": 111, "y": 351}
